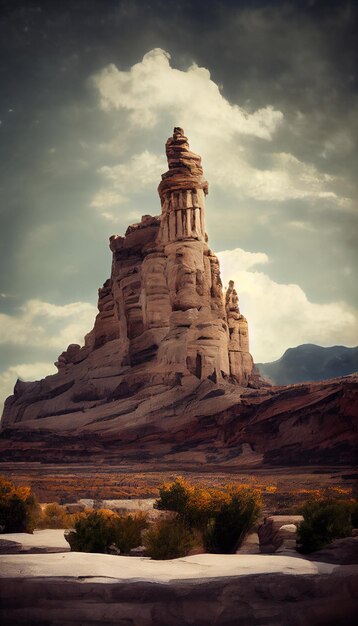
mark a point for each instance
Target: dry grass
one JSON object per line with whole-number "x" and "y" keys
{"x": 284, "y": 489}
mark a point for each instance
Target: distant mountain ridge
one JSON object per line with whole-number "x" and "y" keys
{"x": 310, "y": 363}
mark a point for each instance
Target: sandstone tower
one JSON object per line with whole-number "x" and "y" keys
{"x": 163, "y": 316}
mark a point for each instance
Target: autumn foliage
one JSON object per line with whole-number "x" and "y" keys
{"x": 19, "y": 509}
{"x": 222, "y": 515}
{"x": 169, "y": 539}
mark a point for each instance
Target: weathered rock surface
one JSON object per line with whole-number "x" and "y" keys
{"x": 40, "y": 541}
{"x": 163, "y": 316}
{"x": 343, "y": 551}
{"x": 166, "y": 375}
{"x": 203, "y": 589}
{"x": 277, "y": 530}
{"x": 7, "y": 546}
{"x": 124, "y": 506}
{"x": 200, "y": 424}
{"x": 250, "y": 545}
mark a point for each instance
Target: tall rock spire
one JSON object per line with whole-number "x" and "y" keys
{"x": 162, "y": 320}
{"x": 182, "y": 192}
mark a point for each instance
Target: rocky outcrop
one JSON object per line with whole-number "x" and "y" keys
{"x": 200, "y": 423}
{"x": 39, "y": 542}
{"x": 277, "y": 530}
{"x": 341, "y": 551}
{"x": 165, "y": 376}
{"x": 162, "y": 315}
{"x": 215, "y": 590}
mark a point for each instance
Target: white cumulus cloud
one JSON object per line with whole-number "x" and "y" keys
{"x": 42, "y": 324}
{"x": 141, "y": 172}
{"x": 280, "y": 316}
{"x": 155, "y": 95}
{"x": 152, "y": 87}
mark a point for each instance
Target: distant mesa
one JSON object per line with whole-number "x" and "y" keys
{"x": 308, "y": 362}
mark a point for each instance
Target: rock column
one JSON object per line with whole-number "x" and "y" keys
{"x": 241, "y": 362}
{"x": 182, "y": 193}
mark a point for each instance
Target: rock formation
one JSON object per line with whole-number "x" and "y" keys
{"x": 196, "y": 425}
{"x": 165, "y": 376}
{"x": 162, "y": 313}
{"x": 210, "y": 589}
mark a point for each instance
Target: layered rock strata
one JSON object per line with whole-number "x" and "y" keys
{"x": 203, "y": 425}
{"x": 163, "y": 317}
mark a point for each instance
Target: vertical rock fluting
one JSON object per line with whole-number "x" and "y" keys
{"x": 162, "y": 314}
{"x": 211, "y": 339}
{"x": 182, "y": 193}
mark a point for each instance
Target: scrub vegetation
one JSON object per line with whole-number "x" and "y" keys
{"x": 107, "y": 532}
{"x": 325, "y": 520}
{"x": 19, "y": 509}
{"x": 222, "y": 517}
{"x": 195, "y": 518}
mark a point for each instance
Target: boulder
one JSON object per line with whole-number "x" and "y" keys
{"x": 250, "y": 545}
{"x": 277, "y": 530}
{"x": 39, "y": 542}
{"x": 342, "y": 551}
{"x": 75, "y": 507}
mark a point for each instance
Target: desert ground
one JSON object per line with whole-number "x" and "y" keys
{"x": 283, "y": 488}
{"x": 249, "y": 588}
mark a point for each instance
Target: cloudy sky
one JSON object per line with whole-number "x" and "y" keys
{"x": 267, "y": 94}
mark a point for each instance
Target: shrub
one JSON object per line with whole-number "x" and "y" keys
{"x": 231, "y": 522}
{"x": 93, "y": 533}
{"x": 324, "y": 520}
{"x": 175, "y": 496}
{"x": 98, "y": 530}
{"x": 169, "y": 539}
{"x": 54, "y": 516}
{"x": 129, "y": 534}
{"x": 19, "y": 509}
{"x": 224, "y": 516}
{"x": 354, "y": 514}
{"x": 194, "y": 505}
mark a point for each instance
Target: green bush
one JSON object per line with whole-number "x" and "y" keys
{"x": 169, "y": 539}
{"x": 99, "y": 530}
{"x": 230, "y": 524}
{"x": 19, "y": 509}
{"x": 129, "y": 533}
{"x": 324, "y": 521}
{"x": 223, "y": 516}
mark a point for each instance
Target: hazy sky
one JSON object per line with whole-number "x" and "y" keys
{"x": 267, "y": 94}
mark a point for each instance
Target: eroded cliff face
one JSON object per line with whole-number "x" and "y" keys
{"x": 163, "y": 318}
